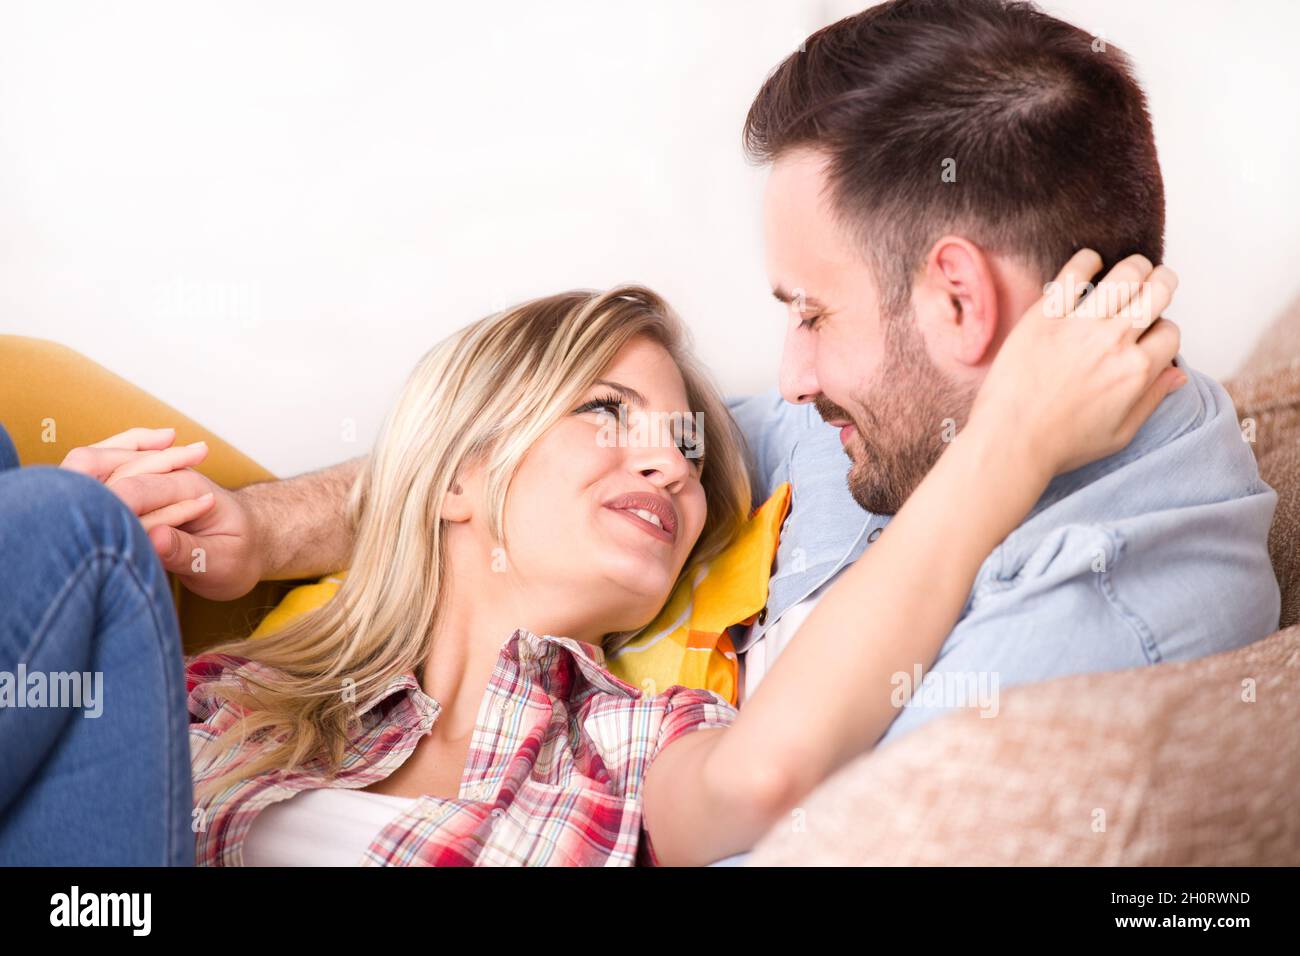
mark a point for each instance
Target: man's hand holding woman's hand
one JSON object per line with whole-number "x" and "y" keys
{"x": 200, "y": 531}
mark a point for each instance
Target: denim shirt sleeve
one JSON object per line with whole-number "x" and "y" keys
{"x": 1156, "y": 554}
{"x": 1100, "y": 597}
{"x": 1050, "y": 616}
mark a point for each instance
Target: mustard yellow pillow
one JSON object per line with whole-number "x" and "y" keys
{"x": 688, "y": 643}
{"x": 304, "y": 598}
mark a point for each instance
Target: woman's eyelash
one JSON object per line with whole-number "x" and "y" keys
{"x": 612, "y": 404}
{"x": 697, "y": 458}
{"x": 810, "y": 322}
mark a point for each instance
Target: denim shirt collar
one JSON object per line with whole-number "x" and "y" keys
{"x": 1179, "y": 412}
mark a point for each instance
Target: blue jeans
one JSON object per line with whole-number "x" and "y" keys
{"x": 96, "y": 771}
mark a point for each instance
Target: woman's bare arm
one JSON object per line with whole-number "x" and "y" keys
{"x": 828, "y": 696}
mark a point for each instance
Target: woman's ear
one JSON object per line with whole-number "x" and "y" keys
{"x": 457, "y": 505}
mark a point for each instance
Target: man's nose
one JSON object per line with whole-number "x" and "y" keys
{"x": 798, "y": 379}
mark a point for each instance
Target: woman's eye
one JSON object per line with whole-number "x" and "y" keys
{"x": 809, "y": 322}
{"x": 692, "y": 450}
{"x": 601, "y": 406}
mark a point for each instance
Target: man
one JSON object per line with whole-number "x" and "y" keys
{"x": 932, "y": 165}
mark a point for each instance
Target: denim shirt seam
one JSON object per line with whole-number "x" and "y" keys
{"x": 1106, "y": 586}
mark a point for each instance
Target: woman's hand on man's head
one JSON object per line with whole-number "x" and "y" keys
{"x": 1077, "y": 377}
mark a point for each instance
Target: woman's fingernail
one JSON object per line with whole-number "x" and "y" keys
{"x": 204, "y": 497}
{"x": 197, "y": 444}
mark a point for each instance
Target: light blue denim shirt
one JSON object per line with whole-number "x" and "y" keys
{"x": 1157, "y": 553}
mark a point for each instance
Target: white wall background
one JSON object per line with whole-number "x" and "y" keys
{"x": 265, "y": 212}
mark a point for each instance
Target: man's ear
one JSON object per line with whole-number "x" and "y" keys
{"x": 959, "y": 279}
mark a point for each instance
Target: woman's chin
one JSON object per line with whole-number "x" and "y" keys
{"x": 647, "y": 584}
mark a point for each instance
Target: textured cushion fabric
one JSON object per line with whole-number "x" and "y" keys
{"x": 1266, "y": 392}
{"x": 1194, "y": 763}
{"x": 1268, "y": 406}
{"x": 1281, "y": 469}
{"x": 1278, "y": 345}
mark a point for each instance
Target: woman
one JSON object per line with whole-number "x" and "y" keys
{"x": 427, "y": 714}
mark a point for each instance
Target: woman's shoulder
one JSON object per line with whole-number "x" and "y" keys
{"x": 686, "y": 709}
{"x": 204, "y": 667}
{"x": 208, "y": 672}
{"x": 656, "y": 717}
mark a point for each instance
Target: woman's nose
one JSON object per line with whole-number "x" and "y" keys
{"x": 658, "y": 457}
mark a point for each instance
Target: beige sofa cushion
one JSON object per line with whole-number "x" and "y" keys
{"x": 1266, "y": 392}
{"x": 1195, "y": 763}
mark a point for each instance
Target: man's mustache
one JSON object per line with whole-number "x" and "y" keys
{"x": 830, "y": 412}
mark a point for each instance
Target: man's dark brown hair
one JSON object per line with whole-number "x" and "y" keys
{"x": 1043, "y": 125}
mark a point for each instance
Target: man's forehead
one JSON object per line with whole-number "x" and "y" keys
{"x": 797, "y": 185}
{"x": 807, "y": 252}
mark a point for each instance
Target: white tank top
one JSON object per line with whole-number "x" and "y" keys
{"x": 331, "y": 826}
{"x": 762, "y": 654}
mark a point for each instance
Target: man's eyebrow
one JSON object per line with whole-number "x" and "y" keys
{"x": 807, "y": 301}
{"x": 634, "y": 397}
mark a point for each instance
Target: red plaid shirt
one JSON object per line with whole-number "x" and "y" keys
{"x": 554, "y": 774}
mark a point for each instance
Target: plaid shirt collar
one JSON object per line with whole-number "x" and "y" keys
{"x": 550, "y": 661}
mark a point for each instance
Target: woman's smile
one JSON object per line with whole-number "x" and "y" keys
{"x": 654, "y": 514}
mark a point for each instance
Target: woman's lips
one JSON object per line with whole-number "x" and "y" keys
{"x": 644, "y": 525}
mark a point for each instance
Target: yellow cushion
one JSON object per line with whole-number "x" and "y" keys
{"x": 304, "y": 598}
{"x": 687, "y": 643}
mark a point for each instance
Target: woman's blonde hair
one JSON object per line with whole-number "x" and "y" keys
{"x": 485, "y": 394}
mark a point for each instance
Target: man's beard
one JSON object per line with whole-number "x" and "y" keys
{"x": 899, "y": 418}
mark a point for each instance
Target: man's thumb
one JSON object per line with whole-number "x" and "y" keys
{"x": 174, "y": 548}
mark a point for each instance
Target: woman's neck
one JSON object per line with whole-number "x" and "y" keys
{"x": 477, "y": 615}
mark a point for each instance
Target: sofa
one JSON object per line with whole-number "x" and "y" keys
{"x": 1194, "y": 763}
